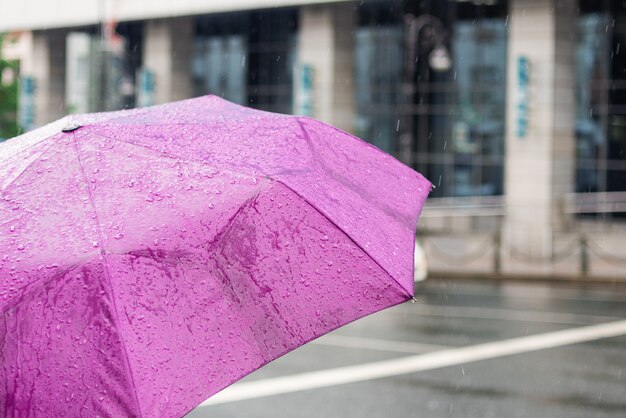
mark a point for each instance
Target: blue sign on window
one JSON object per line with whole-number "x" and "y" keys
{"x": 27, "y": 103}
{"x": 303, "y": 102}
{"x": 523, "y": 81}
{"x": 145, "y": 87}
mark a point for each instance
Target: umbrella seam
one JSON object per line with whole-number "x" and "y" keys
{"x": 306, "y": 134}
{"x": 247, "y": 112}
{"x": 108, "y": 274}
{"x": 410, "y": 221}
{"x": 116, "y": 114}
{"x": 177, "y": 158}
{"x": 120, "y": 114}
{"x": 301, "y": 344}
{"x": 33, "y": 287}
{"x": 207, "y": 124}
{"x": 36, "y": 142}
{"x": 7, "y": 158}
{"x": 53, "y": 140}
{"x": 339, "y": 178}
{"x": 4, "y": 366}
{"x": 413, "y": 220}
{"x": 388, "y": 156}
{"x": 284, "y": 184}
{"x": 408, "y": 293}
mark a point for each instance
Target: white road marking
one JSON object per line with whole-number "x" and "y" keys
{"x": 375, "y": 344}
{"x": 501, "y": 314}
{"x": 413, "y": 364}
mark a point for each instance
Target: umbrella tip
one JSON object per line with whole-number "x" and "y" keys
{"x": 70, "y": 127}
{"x": 413, "y": 300}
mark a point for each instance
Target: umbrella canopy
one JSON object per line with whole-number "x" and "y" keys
{"x": 150, "y": 258}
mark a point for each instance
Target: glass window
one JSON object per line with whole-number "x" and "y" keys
{"x": 272, "y": 39}
{"x": 219, "y": 67}
{"x": 378, "y": 57}
{"x": 478, "y": 131}
{"x": 601, "y": 97}
{"x": 247, "y": 58}
{"x": 451, "y": 121}
{"x": 100, "y": 76}
{"x": 591, "y": 69}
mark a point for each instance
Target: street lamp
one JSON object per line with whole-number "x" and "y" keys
{"x": 433, "y": 37}
{"x": 439, "y": 59}
{"x": 425, "y": 31}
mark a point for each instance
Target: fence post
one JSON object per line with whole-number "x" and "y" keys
{"x": 497, "y": 261}
{"x": 584, "y": 256}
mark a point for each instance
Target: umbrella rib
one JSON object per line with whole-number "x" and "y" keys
{"x": 409, "y": 170}
{"x": 274, "y": 179}
{"x": 205, "y": 123}
{"x": 308, "y": 138}
{"x": 407, "y": 220}
{"x": 53, "y": 141}
{"x": 33, "y": 286}
{"x": 160, "y": 152}
{"x": 107, "y": 271}
{"x": 177, "y": 158}
{"x": 21, "y": 151}
{"x": 346, "y": 234}
{"x": 246, "y": 113}
{"x": 117, "y": 114}
{"x": 36, "y": 142}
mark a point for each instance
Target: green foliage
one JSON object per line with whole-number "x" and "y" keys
{"x": 8, "y": 97}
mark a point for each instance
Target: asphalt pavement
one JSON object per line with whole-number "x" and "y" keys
{"x": 465, "y": 349}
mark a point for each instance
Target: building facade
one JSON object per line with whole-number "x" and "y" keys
{"x": 514, "y": 109}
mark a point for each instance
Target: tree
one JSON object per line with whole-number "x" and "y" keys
{"x": 8, "y": 95}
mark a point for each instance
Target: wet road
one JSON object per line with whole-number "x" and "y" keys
{"x": 466, "y": 349}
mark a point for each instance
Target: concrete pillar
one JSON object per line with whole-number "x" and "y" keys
{"x": 326, "y": 43}
{"x": 168, "y": 47}
{"x": 540, "y": 164}
{"x": 48, "y": 70}
{"x": 21, "y": 51}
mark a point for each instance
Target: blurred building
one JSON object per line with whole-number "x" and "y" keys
{"x": 514, "y": 109}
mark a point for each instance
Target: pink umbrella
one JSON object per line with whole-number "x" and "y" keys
{"x": 150, "y": 258}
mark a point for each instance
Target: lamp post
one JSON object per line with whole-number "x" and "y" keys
{"x": 101, "y": 69}
{"x": 110, "y": 72}
{"x": 425, "y": 31}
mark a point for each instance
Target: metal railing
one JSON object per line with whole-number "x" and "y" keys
{"x": 572, "y": 203}
{"x": 583, "y": 247}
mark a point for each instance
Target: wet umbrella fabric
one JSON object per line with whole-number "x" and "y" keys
{"x": 150, "y": 258}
